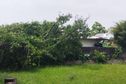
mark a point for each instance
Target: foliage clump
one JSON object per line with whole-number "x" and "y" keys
{"x": 119, "y": 32}
{"x": 24, "y": 45}
{"x": 99, "y": 57}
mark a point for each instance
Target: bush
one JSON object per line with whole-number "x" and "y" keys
{"x": 99, "y": 57}
{"x": 84, "y": 57}
{"x": 117, "y": 53}
{"x": 13, "y": 57}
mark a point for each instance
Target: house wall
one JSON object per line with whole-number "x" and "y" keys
{"x": 88, "y": 43}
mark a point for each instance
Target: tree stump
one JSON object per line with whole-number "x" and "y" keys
{"x": 9, "y": 81}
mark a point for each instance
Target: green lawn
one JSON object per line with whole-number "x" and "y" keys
{"x": 78, "y": 74}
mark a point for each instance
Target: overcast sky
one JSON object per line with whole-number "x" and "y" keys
{"x": 107, "y": 12}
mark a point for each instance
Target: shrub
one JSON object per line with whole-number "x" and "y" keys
{"x": 117, "y": 53}
{"x": 13, "y": 51}
{"x": 99, "y": 57}
{"x": 84, "y": 57}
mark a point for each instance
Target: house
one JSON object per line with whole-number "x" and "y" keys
{"x": 91, "y": 42}
{"x": 95, "y": 43}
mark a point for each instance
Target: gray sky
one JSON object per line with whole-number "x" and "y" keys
{"x": 107, "y": 12}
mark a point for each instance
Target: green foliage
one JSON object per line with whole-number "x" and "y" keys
{"x": 99, "y": 57}
{"x": 120, "y": 34}
{"x": 117, "y": 53}
{"x": 24, "y": 45}
{"x": 82, "y": 27}
{"x": 84, "y": 57}
{"x": 97, "y": 28}
{"x": 13, "y": 51}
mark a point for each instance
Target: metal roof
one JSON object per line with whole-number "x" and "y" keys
{"x": 104, "y": 36}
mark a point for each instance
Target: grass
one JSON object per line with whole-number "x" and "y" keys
{"x": 78, "y": 74}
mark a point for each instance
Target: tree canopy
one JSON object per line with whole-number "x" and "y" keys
{"x": 97, "y": 28}
{"x": 39, "y": 43}
{"x": 119, "y": 32}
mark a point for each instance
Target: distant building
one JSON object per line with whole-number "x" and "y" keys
{"x": 94, "y": 40}
{"x": 95, "y": 43}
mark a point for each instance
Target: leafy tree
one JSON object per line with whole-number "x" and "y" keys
{"x": 82, "y": 27}
{"x": 97, "y": 28}
{"x": 120, "y": 34}
{"x": 24, "y": 45}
